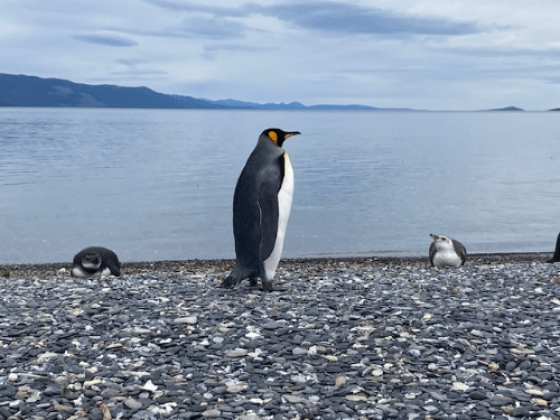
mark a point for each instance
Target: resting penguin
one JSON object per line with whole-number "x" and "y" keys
{"x": 446, "y": 252}
{"x": 261, "y": 207}
{"x": 556, "y": 256}
{"x": 96, "y": 261}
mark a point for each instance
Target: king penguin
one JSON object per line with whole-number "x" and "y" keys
{"x": 446, "y": 252}
{"x": 556, "y": 256}
{"x": 96, "y": 261}
{"x": 261, "y": 207}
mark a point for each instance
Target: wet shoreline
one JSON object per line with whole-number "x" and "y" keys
{"x": 62, "y": 269}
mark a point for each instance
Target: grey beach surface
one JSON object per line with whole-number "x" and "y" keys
{"x": 353, "y": 338}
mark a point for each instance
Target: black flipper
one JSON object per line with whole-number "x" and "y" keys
{"x": 115, "y": 268}
{"x": 556, "y": 256}
{"x": 432, "y": 253}
{"x": 268, "y": 204}
{"x": 460, "y": 250}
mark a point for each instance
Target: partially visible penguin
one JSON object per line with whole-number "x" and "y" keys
{"x": 556, "y": 256}
{"x": 96, "y": 261}
{"x": 446, "y": 252}
{"x": 261, "y": 207}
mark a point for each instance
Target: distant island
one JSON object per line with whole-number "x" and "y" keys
{"x": 508, "y": 108}
{"x": 32, "y": 91}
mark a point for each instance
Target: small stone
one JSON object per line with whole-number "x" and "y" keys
{"x": 507, "y": 409}
{"x": 249, "y": 416}
{"x": 438, "y": 396}
{"x": 292, "y": 399}
{"x": 62, "y": 407}
{"x": 149, "y": 386}
{"x": 236, "y": 387}
{"x": 45, "y": 356}
{"x": 521, "y": 412}
{"x": 191, "y": 320}
{"x": 357, "y": 397}
{"x": 212, "y": 413}
{"x": 534, "y": 392}
{"x": 459, "y": 386}
{"x": 272, "y": 325}
{"x": 494, "y": 367}
{"x": 539, "y": 401}
{"x": 477, "y": 395}
{"x": 133, "y": 404}
{"x": 340, "y": 380}
{"x": 298, "y": 351}
{"x": 238, "y": 352}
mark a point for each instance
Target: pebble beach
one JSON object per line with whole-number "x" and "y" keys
{"x": 353, "y": 338}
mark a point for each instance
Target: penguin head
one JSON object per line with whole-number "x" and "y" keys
{"x": 91, "y": 261}
{"x": 278, "y": 136}
{"x": 441, "y": 241}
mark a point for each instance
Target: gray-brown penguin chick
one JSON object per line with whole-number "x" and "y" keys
{"x": 446, "y": 252}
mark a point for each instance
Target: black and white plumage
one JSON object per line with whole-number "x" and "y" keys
{"x": 446, "y": 252}
{"x": 96, "y": 261}
{"x": 261, "y": 208}
{"x": 556, "y": 256}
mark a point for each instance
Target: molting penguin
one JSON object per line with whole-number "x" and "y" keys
{"x": 556, "y": 256}
{"x": 96, "y": 261}
{"x": 261, "y": 207}
{"x": 446, "y": 252}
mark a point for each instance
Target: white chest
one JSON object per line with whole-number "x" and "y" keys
{"x": 284, "y": 205}
{"x": 78, "y": 272}
{"x": 447, "y": 258}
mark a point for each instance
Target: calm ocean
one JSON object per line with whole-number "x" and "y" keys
{"x": 158, "y": 184}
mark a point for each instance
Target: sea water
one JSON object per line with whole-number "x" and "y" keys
{"x": 158, "y": 184}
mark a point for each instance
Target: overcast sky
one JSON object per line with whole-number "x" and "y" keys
{"x": 423, "y": 54}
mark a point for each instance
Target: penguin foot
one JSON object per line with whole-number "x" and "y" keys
{"x": 229, "y": 282}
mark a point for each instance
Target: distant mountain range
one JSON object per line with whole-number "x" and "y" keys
{"x": 295, "y": 106}
{"x": 32, "y": 91}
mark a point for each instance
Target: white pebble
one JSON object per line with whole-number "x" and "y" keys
{"x": 149, "y": 386}
{"x": 236, "y": 352}
{"x": 191, "y": 320}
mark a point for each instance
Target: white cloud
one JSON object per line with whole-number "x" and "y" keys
{"x": 433, "y": 54}
{"x": 106, "y": 39}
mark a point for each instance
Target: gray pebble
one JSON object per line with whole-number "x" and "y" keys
{"x": 365, "y": 339}
{"x": 133, "y": 404}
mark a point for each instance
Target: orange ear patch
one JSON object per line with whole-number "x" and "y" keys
{"x": 273, "y": 136}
